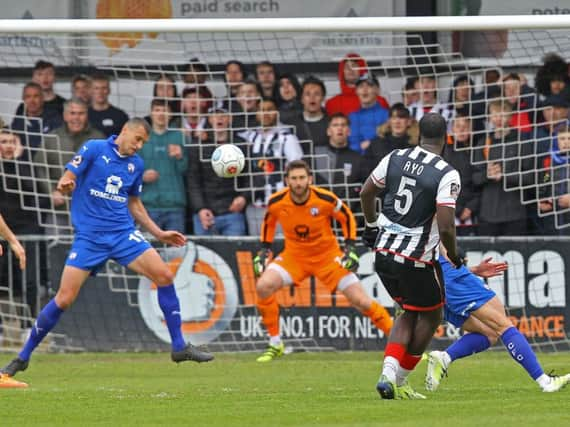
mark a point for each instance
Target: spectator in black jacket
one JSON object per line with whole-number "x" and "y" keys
{"x": 400, "y": 131}
{"x": 505, "y": 164}
{"x": 457, "y": 152}
{"x": 102, "y": 114}
{"x": 266, "y": 76}
{"x": 311, "y": 124}
{"x": 234, "y": 76}
{"x": 17, "y": 208}
{"x": 338, "y": 168}
{"x": 218, "y": 207}
{"x": 288, "y": 96}
{"x": 35, "y": 120}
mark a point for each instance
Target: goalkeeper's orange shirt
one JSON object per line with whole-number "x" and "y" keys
{"x": 307, "y": 227}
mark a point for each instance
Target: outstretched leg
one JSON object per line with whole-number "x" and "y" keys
{"x": 370, "y": 308}
{"x": 485, "y": 325}
{"x": 151, "y": 265}
{"x": 71, "y": 280}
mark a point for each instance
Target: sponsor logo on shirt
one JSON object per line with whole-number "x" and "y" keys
{"x": 114, "y": 184}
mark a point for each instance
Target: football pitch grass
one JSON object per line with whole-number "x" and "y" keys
{"x": 304, "y": 389}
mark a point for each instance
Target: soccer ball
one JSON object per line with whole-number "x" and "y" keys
{"x": 228, "y": 161}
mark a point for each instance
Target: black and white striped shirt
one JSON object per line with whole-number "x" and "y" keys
{"x": 416, "y": 181}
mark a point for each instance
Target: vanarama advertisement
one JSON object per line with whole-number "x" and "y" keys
{"x": 216, "y": 286}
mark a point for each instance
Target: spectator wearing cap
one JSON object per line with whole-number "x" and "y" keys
{"x": 102, "y": 114}
{"x": 555, "y": 110}
{"x": 350, "y": 68}
{"x": 216, "y": 203}
{"x": 363, "y": 122}
{"x": 554, "y": 191}
{"x": 166, "y": 162}
{"x": 400, "y": 131}
{"x": 312, "y": 123}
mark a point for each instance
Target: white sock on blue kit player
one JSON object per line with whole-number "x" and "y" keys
{"x": 473, "y": 306}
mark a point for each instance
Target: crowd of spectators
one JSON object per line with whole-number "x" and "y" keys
{"x": 509, "y": 141}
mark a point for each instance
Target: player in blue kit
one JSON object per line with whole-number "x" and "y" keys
{"x": 105, "y": 179}
{"x": 473, "y": 306}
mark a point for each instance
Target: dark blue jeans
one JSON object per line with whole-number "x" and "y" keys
{"x": 231, "y": 224}
{"x": 169, "y": 220}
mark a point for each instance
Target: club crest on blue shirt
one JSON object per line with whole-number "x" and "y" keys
{"x": 314, "y": 211}
{"x": 76, "y": 161}
{"x": 131, "y": 167}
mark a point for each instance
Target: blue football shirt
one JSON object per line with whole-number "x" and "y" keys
{"x": 105, "y": 180}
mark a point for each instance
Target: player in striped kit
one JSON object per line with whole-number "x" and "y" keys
{"x": 419, "y": 190}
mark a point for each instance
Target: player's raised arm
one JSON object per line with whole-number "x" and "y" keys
{"x": 268, "y": 226}
{"x": 373, "y": 185}
{"x": 345, "y": 217}
{"x": 13, "y": 241}
{"x": 139, "y": 213}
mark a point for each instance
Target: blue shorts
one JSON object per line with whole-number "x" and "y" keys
{"x": 90, "y": 251}
{"x": 464, "y": 293}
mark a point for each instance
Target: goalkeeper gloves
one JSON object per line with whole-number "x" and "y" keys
{"x": 261, "y": 260}
{"x": 369, "y": 235}
{"x": 350, "y": 259}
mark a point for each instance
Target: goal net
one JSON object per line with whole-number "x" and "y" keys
{"x": 504, "y": 94}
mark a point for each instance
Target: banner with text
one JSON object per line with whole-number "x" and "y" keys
{"x": 216, "y": 286}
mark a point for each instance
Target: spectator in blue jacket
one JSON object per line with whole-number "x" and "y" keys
{"x": 363, "y": 122}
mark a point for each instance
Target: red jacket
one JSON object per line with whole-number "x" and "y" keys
{"x": 347, "y": 101}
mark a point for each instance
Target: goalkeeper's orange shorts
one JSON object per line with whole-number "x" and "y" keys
{"x": 326, "y": 267}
